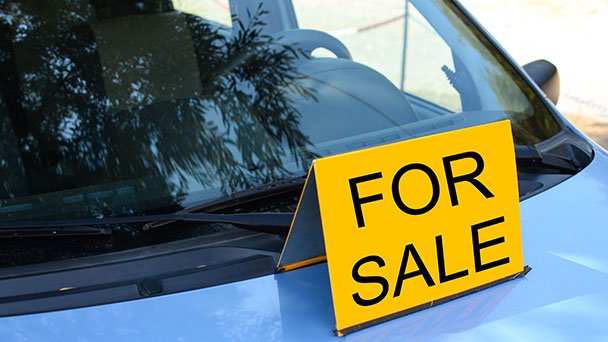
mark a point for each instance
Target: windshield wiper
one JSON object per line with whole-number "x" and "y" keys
{"x": 28, "y": 231}
{"x": 264, "y": 191}
{"x": 277, "y": 223}
{"x": 528, "y": 157}
{"x": 265, "y": 222}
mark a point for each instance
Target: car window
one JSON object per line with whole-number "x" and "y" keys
{"x": 429, "y": 63}
{"x": 393, "y": 38}
{"x": 114, "y": 108}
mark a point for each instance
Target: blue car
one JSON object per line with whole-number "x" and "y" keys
{"x": 153, "y": 152}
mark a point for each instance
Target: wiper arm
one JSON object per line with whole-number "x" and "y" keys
{"x": 273, "y": 189}
{"x": 530, "y": 157}
{"x": 277, "y": 223}
{"x": 273, "y": 223}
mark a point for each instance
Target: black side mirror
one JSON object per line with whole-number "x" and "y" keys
{"x": 545, "y": 74}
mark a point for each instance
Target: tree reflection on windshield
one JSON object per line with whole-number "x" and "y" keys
{"x": 146, "y": 99}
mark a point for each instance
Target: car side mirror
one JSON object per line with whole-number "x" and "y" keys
{"x": 545, "y": 75}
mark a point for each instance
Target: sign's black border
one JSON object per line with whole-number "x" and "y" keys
{"x": 424, "y": 306}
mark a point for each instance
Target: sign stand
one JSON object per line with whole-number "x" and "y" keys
{"x": 305, "y": 244}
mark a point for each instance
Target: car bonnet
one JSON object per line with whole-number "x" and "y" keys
{"x": 564, "y": 297}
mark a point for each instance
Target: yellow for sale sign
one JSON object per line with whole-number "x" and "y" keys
{"x": 416, "y": 222}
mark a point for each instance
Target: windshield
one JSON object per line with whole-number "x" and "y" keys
{"x": 122, "y": 107}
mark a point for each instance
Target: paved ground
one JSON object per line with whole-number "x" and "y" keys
{"x": 569, "y": 33}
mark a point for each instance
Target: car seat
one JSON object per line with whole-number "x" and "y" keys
{"x": 349, "y": 99}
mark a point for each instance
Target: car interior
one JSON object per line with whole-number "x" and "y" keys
{"x": 100, "y": 59}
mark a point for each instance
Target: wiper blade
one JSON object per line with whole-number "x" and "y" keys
{"x": 29, "y": 232}
{"x": 531, "y": 158}
{"x": 267, "y": 222}
{"x": 273, "y": 223}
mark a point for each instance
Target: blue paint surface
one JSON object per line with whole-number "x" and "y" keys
{"x": 565, "y": 296}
